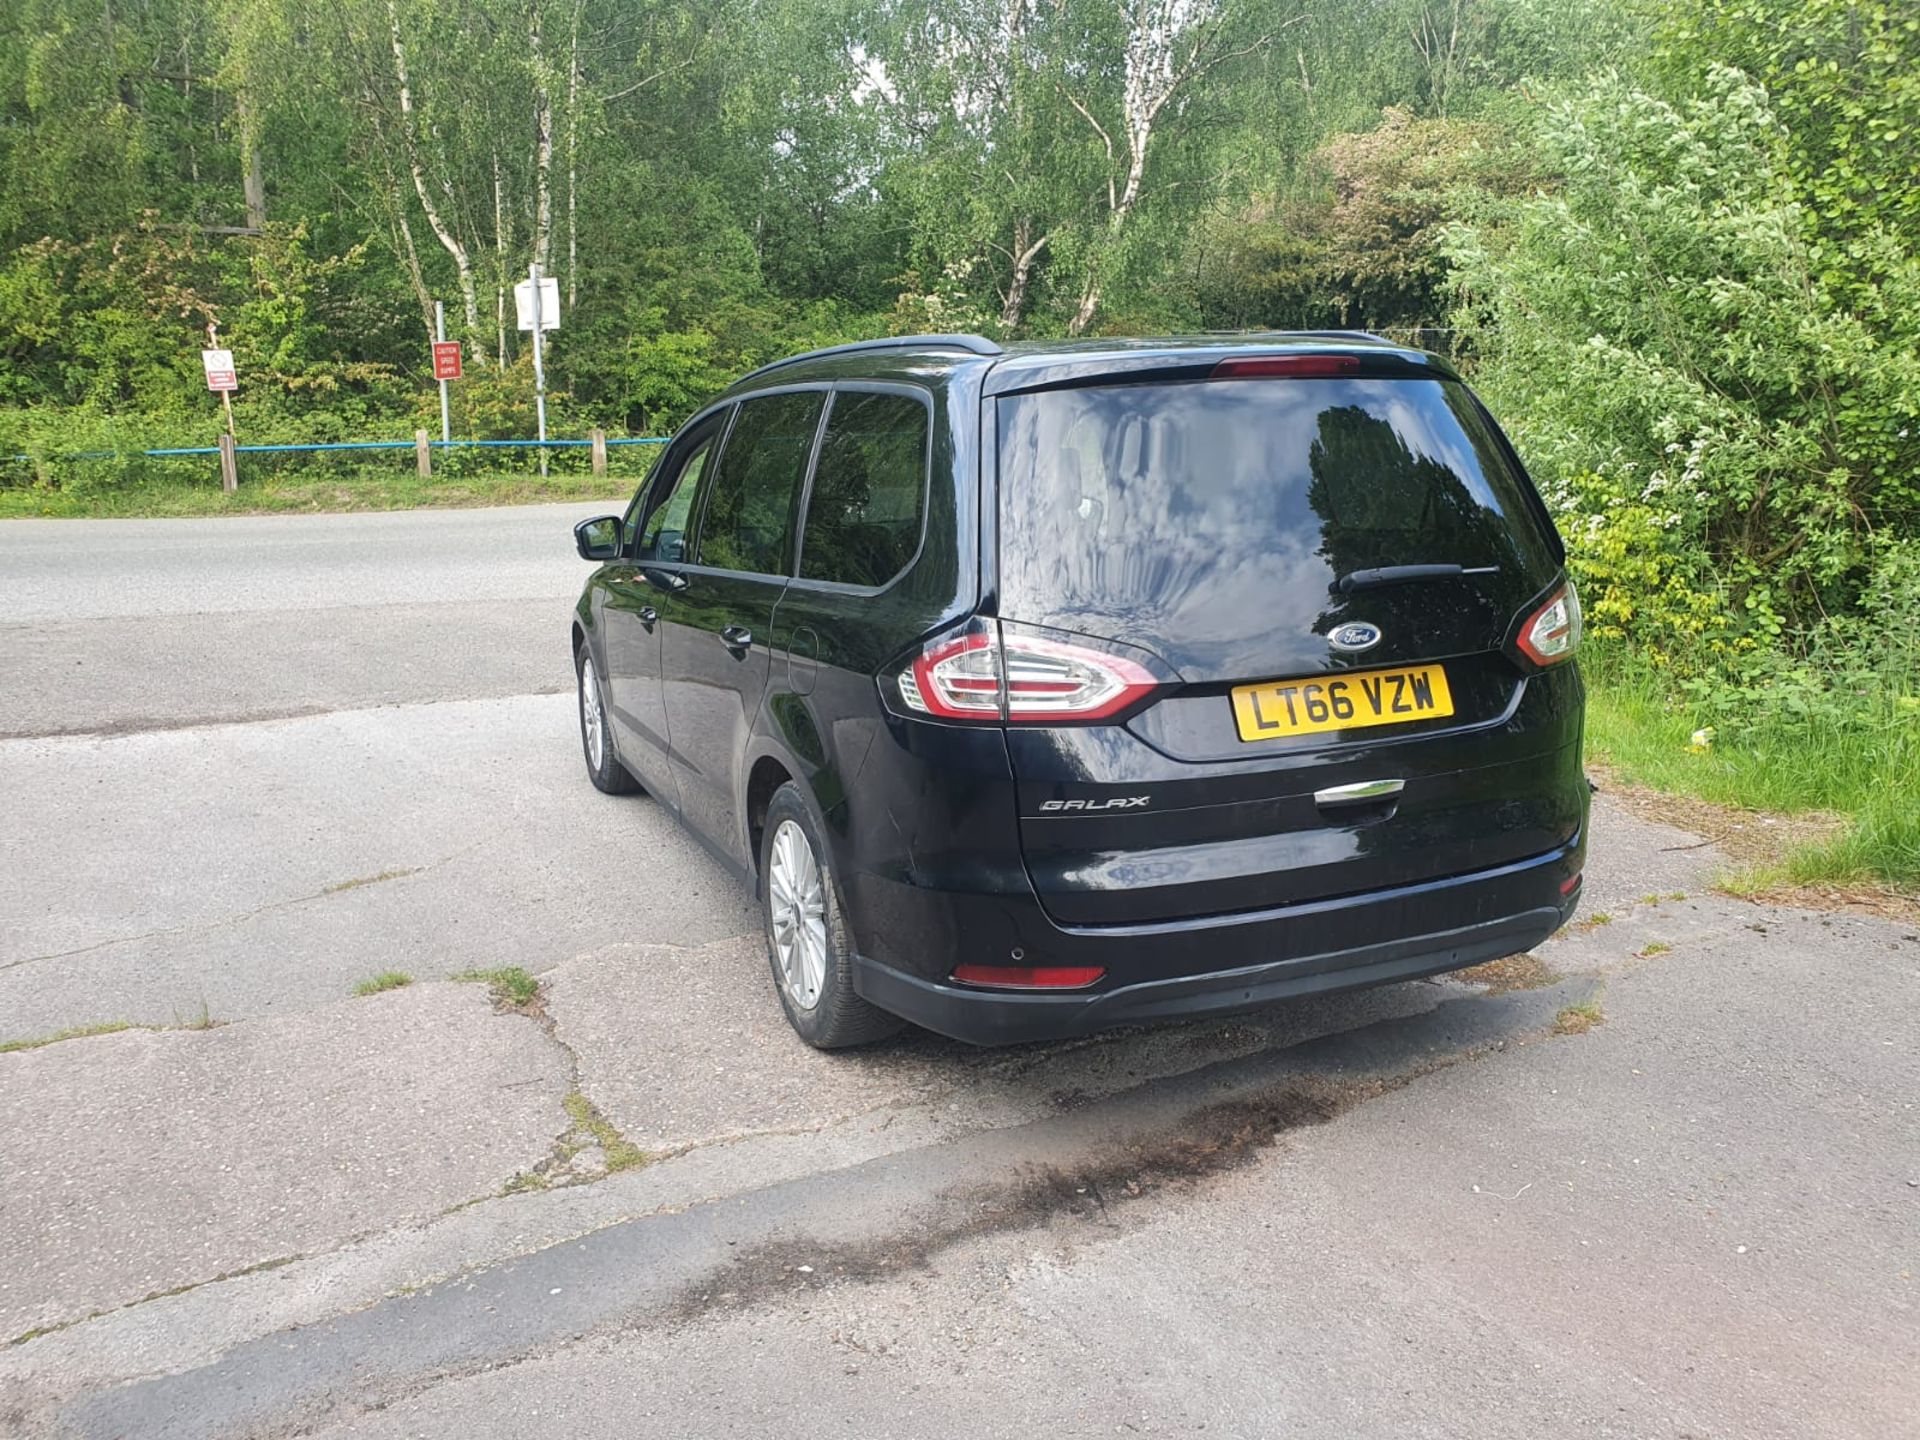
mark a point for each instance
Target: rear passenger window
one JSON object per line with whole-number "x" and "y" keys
{"x": 750, "y": 508}
{"x": 869, "y": 490}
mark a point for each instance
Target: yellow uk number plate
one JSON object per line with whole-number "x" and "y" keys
{"x": 1341, "y": 702}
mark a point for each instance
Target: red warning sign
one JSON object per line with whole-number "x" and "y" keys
{"x": 446, "y": 359}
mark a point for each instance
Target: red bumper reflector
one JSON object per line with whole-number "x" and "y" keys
{"x": 1029, "y": 977}
{"x": 1571, "y": 883}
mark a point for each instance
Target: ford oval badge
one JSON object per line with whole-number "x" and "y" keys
{"x": 1354, "y": 636}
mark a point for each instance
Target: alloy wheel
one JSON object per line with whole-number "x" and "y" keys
{"x": 798, "y": 909}
{"x": 592, "y": 721}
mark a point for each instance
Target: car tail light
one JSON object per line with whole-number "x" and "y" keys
{"x": 990, "y": 674}
{"x": 1030, "y": 977}
{"x": 1552, "y": 633}
{"x": 956, "y": 679}
{"x": 1301, "y": 367}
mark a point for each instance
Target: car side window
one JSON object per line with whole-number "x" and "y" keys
{"x": 663, "y": 537}
{"x": 869, "y": 490}
{"x": 751, "y": 503}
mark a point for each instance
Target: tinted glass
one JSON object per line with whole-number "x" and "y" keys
{"x": 664, "y": 536}
{"x": 869, "y": 488}
{"x": 1227, "y": 508}
{"x": 750, "y": 510}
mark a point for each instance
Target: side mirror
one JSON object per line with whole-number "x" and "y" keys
{"x": 600, "y": 538}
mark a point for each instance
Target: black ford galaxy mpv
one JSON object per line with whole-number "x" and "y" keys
{"x": 1052, "y": 687}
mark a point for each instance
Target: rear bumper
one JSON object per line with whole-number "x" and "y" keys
{"x": 1409, "y": 931}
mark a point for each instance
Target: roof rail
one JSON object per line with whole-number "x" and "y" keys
{"x": 1345, "y": 335}
{"x": 1304, "y": 335}
{"x": 972, "y": 344}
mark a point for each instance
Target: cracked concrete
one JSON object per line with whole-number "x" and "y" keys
{"x": 142, "y": 1161}
{"x": 909, "y": 1199}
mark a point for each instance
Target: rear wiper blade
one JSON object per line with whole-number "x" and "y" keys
{"x": 1402, "y": 574}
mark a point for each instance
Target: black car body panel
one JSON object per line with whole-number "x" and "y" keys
{"x": 1193, "y": 869}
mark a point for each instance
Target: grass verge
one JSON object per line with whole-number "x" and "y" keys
{"x": 1845, "y": 791}
{"x": 264, "y": 493}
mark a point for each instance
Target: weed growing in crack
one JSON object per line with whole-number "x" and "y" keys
{"x": 511, "y": 987}
{"x": 385, "y": 980}
{"x": 107, "y": 1027}
{"x": 78, "y": 1032}
{"x": 621, "y": 1153}
{"x": 591, "y": 1134}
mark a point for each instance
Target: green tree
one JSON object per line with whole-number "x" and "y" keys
{"x": 1730, "y": 445}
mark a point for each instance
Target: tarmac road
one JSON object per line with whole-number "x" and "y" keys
{"x": 1668, "y": 1187}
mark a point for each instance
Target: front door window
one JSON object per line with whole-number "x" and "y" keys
{"x": 750, "y": 516}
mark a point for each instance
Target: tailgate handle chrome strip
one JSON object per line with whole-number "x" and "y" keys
{"x": 1360, "y": 793}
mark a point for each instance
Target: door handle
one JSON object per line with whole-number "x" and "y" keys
{"x": 738, "y": 639}
{"x": 1364, "y": 793}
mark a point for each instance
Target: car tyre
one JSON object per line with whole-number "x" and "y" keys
{"x": 609, "y": 776}
{"x": 808, "y": 943}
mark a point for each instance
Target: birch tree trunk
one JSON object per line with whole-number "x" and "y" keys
{"x": 542, "y": 144}
{"x": 573, "y": 160}
{"x": 417, "y": 165}
{"x": 253, "y": 178}
{"x": 500, "y": 257}
{"x": 1167, "y": 44}
{"x": 1026, "y": 251}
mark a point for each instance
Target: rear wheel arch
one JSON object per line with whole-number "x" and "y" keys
{"x": 764, "y": 780}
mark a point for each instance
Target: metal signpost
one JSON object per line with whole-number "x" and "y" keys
{"x": 222, "y": 378}
{"x": 446, "y": 364}
{"x": 536, "y": 303}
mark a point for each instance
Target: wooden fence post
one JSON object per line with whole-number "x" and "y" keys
{"x": 423, "y": 454}
{"x": 229, "y": 466}
{"x": 599, "y": 439}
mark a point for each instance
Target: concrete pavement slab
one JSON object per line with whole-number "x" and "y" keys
{"x": 250, "y": 869}
{"x": 143, "y": 1161}
{"x": 680, "y": 1045}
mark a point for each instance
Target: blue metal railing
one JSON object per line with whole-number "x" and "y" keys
{"x": 185, "y": 451}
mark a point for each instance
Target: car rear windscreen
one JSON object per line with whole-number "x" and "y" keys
{"x": 1159, "y": 506}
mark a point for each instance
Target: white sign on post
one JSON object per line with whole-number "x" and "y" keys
{"x": 219, "y": 367}
{"x": 549, "y": 303}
